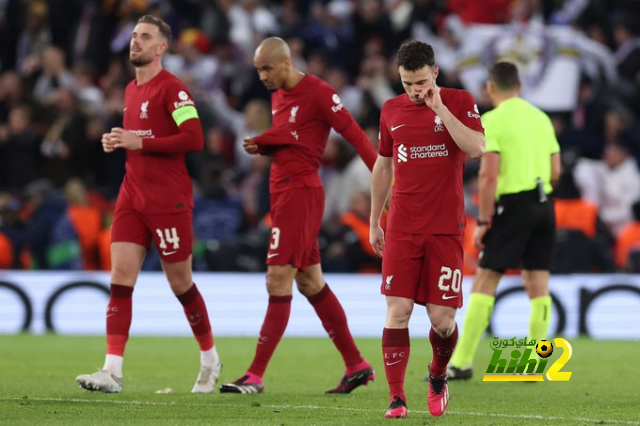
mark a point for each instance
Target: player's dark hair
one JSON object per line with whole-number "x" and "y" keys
{"x": 164, "y": 28}
{"x": 505, "y": 76}
{"x": 414, "y": 55}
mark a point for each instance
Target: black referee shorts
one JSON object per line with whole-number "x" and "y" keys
{"x": 522, "y": 233}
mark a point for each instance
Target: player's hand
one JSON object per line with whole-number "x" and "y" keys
{"x": 250, "y": 147}
{"x": 478, "y": 236}
{"x": 431, "y": 97}
{"x": 107, "y": 143}
{"x": 122, "y": 138}
{"x": 376, "y": 238}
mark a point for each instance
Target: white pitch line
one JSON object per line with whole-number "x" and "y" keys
{"x": 317, "y": 407}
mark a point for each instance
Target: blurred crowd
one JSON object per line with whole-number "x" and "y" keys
{"x": 64, "y": 66}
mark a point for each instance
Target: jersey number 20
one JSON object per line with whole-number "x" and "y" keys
{"x": 450, "y": 274}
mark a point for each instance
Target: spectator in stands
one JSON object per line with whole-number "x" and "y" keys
{"x": 86, "y": 221}
{"x": 6, "y": 246}
{"x": 64, "y": 145}
{"x": 18, "y": 150}
{"x": 572, "y": 211}
{"x": 11, "y": 94}
{"x": 613, "y": 184}
{"x": 34, "y": 39}
{"x": 52, "y": 76}
{"x": 628, "y": 242}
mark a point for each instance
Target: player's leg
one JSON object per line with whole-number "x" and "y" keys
{"x": 130, "y": 241}
{"x": 535, "y": 274}
{"x": 311, "y": 284}
{"x": 173, "y": 237}
{"x": 443, "y": 337}
{"x": 476, "y": 321}
{"x": 279, "y": 287}
{"x": 505, "y": 244}
{"x": 181, "y": 281}
{"x": 441, "y": 291}
{"x": 126, "y": 260}
{"x": 401, "y": 270}
{"x": 536, "y": 283}
{"x": 395, "y": 350}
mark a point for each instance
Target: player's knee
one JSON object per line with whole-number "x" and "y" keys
{"x": 398, "y": 315}
{"x": 123, "y": 274}
{"x": 443, "y": 325}
{"x": 277, "y": 284}
{"x": 308, "y": 287}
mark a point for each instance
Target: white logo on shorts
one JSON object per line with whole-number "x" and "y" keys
{"x": 387, "y": 286}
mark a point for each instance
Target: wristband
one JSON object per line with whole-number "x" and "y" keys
{"x": 483, "y": 222}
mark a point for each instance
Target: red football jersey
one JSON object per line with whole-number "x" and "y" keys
{"x": 163, "y": 113}
{"x": 427, "y": 195}
{"x": 302, "y": 119}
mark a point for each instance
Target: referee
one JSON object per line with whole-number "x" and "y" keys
{"x": 516, "y": 223}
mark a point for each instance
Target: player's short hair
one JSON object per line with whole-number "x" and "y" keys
{"x": 505, "y": 76}
{"x": 164, "y": 28}
{"x": 414, "y": 55}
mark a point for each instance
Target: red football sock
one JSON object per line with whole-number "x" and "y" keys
{"x": 334, "y": 321}
{"x": 196, "y": 312}
{"x": 442, "y": 349}
{"x": 273, "y": 327}
{"x": 395, "y": 351}
{"x": 118, "y": 319}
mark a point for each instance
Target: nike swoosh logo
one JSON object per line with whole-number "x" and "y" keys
{"x": 394, "y": 363}
{"x": 270, "y": 255}
{"x": 273, "y": 111}
{"x": 110, "y": 315}
{"x": 397, "y": 127}
{"x": 169, "y": 253}
{"x": 445, "y": 297}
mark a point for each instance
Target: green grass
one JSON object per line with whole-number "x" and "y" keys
{"x": 37, "y": 386}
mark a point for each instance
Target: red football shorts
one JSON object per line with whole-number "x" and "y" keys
{"x": 172, "y": 233}
{"x": 296, "y": 216}
{"x": 424, "y": 268}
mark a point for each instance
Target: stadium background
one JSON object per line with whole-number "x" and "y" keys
{"x": 63, "y": 69}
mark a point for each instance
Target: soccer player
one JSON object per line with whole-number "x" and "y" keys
{"x": 516, "y": 222}
{"x": 304, "y": 110}
{"x": 161, "y": 124}
{"x": 425, "y": 136}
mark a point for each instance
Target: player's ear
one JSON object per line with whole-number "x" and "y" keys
{"x": 162, "y": 48}
{"x": 436, "y": 71}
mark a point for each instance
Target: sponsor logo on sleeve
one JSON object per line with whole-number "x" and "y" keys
{"x": 475, "y": 113}
{"x": 338, "y": 104}
{"x": 184, "y": 100}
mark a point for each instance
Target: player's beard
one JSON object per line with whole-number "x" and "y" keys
{"x": 140, "y": 61}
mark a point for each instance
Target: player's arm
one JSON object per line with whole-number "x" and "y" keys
{"x": 468, "y": 135}
{"x": 332, "y": 110}
{"x": 188, "y": 139}
{"x": 554, "y": 150}
{"x": 487, "y": 184}
{"x": 556, "y": 168}
{"x": 358, "y": 139}
{"x": 381, "y": 179}
{"x": 275, "y": 137}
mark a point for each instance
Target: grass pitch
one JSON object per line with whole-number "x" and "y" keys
{"x": 37, "y": 386}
